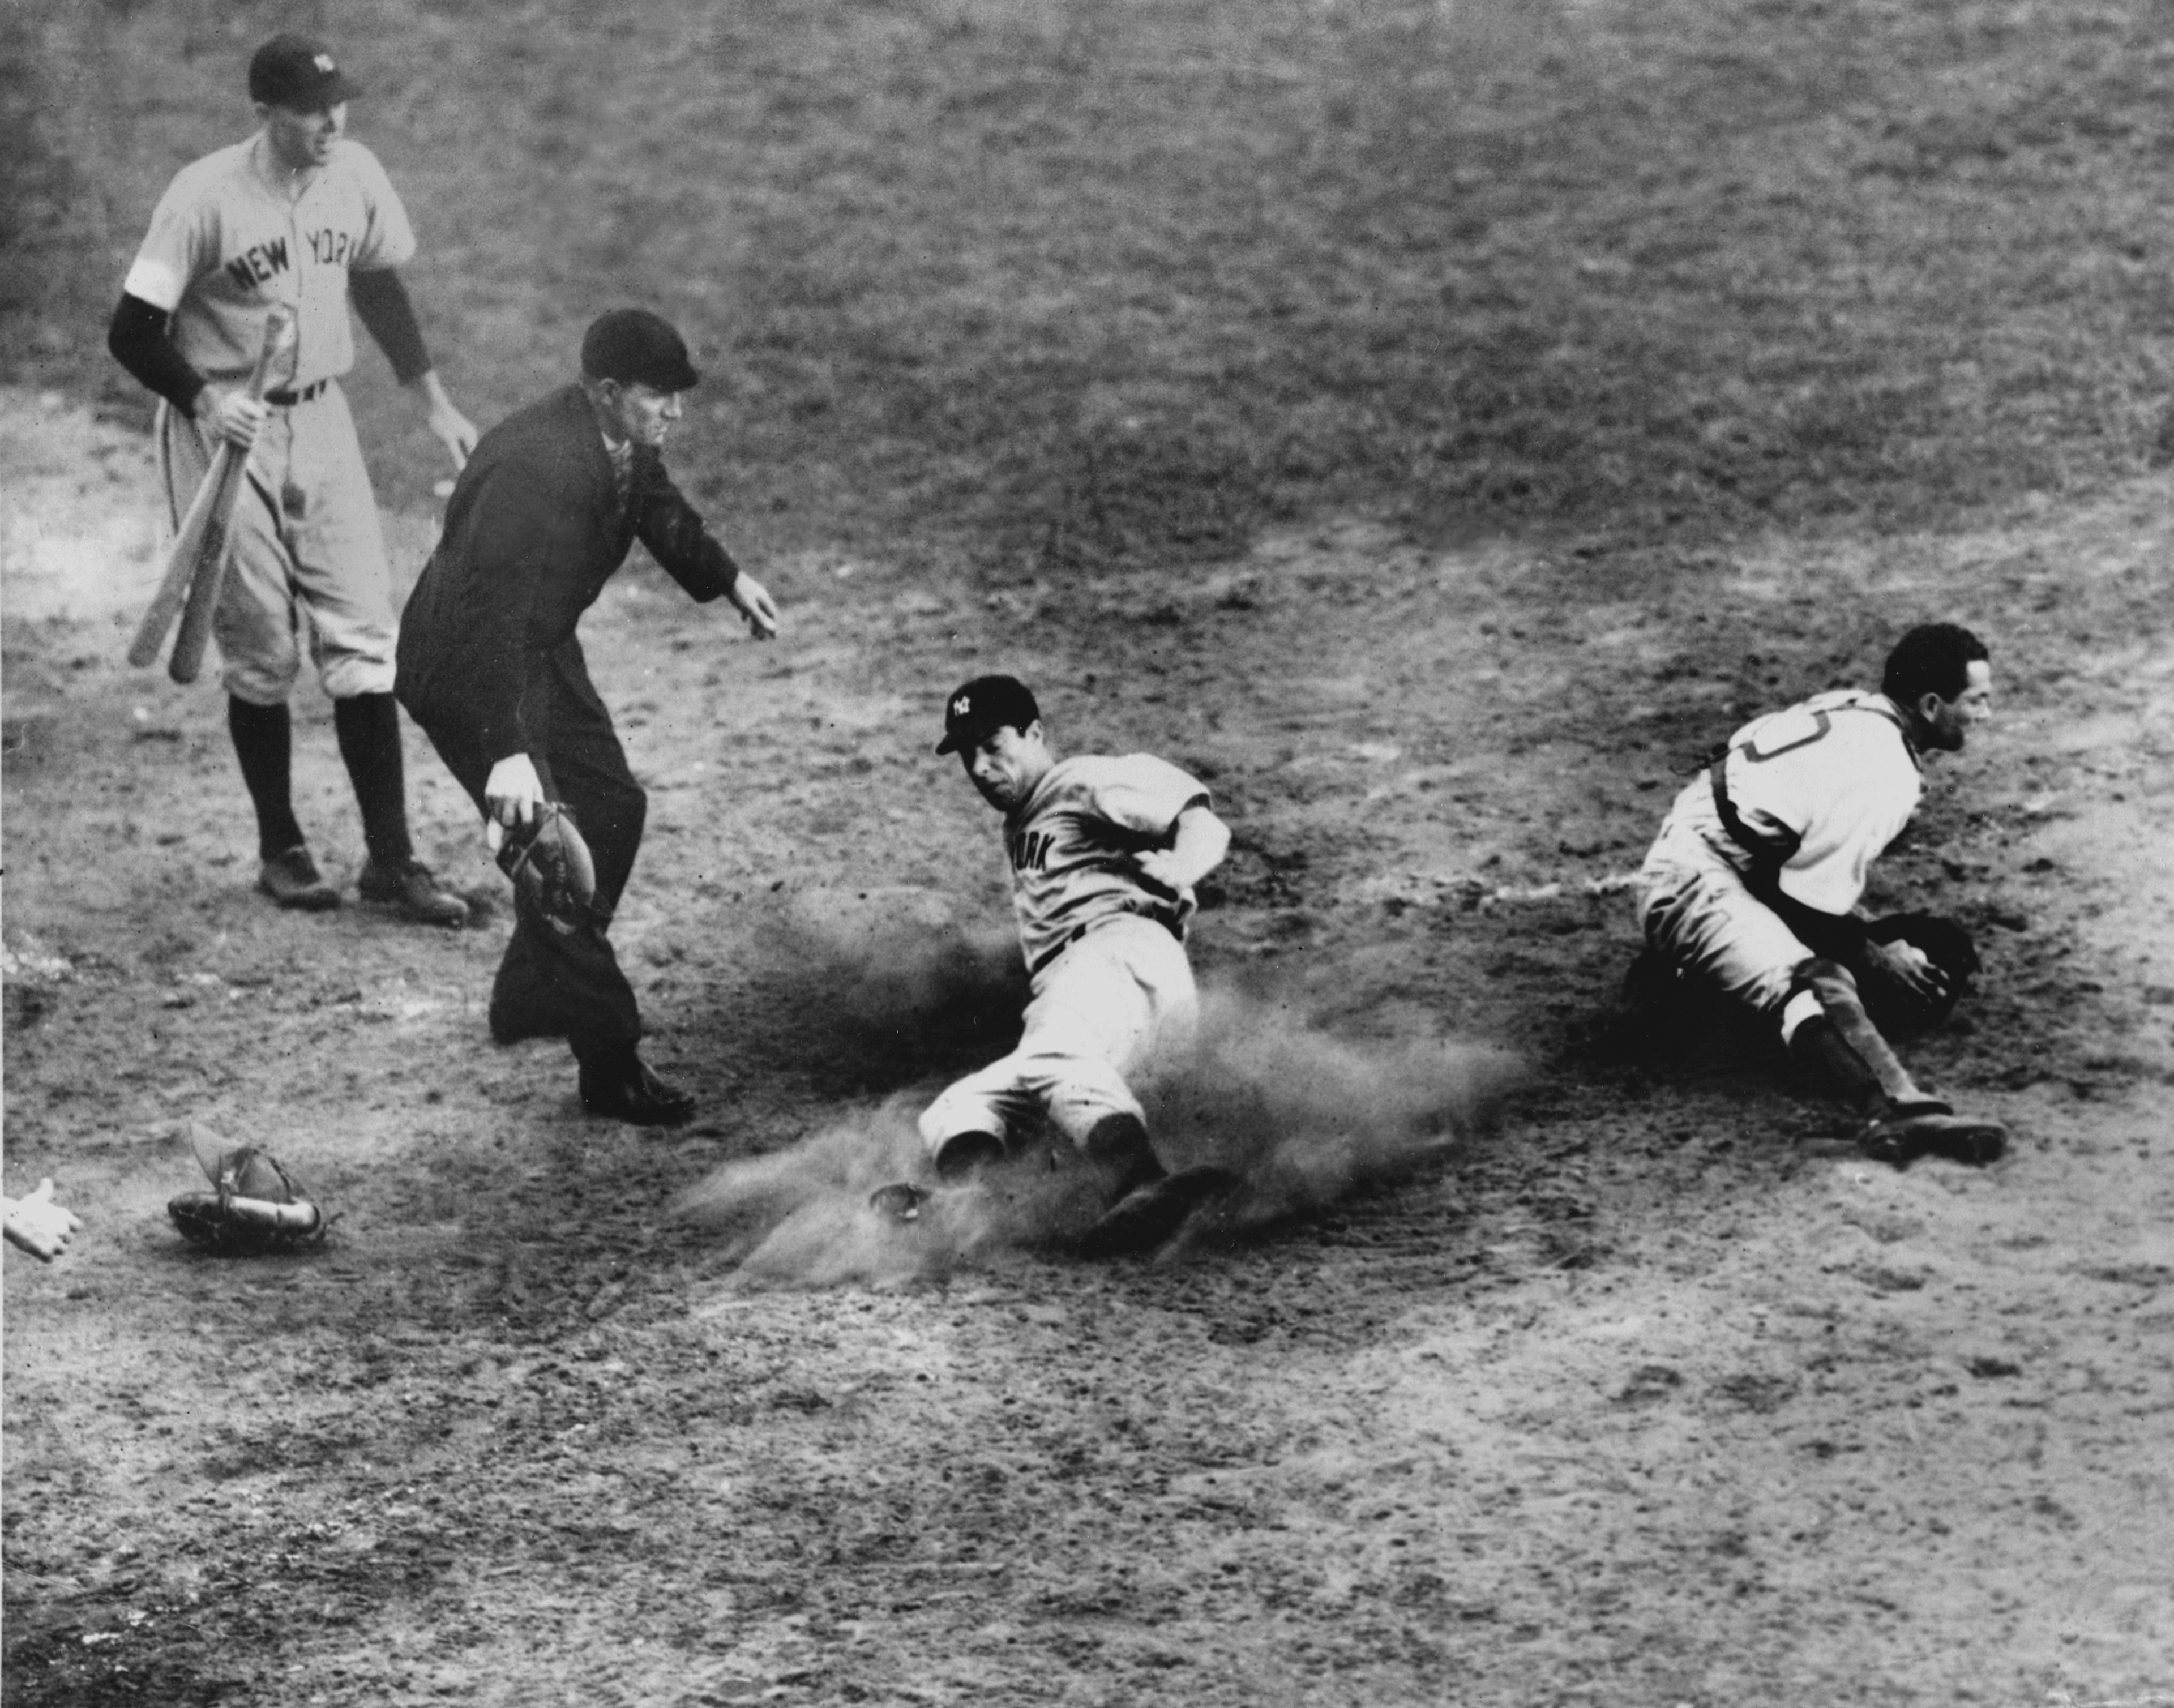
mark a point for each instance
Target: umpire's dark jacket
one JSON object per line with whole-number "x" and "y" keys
{"x": 489, "y": 667}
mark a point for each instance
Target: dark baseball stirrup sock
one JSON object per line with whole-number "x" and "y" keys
{"x": 263, "y": 743}
{"x": 369, "y": 729}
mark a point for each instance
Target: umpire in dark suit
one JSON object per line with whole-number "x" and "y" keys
{"x": 489, "y": 667}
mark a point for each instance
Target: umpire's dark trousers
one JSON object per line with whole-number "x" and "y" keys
{"x": 556, "y": 982}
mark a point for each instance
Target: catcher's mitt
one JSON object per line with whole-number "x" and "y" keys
{"x": 1905, "y": 1013}
{"x": 550, "y": 864}
{"x": 255, "y": 1206}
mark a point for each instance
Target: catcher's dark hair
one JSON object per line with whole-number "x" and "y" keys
{"x": 1932, "y": 658}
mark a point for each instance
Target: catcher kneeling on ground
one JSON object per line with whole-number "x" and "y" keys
{"x": 1104, "y": 853}
{"x": 1752, "y": 887}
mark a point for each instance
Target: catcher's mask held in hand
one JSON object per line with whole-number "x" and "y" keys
{"x": 550, "y": 863}
{"x": 255, "y": 1206}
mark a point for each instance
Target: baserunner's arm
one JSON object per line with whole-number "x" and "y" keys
{"x": 1197, "y": 848}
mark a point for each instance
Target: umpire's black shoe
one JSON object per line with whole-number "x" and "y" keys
{"x": 410, "y": 890}
{"x": 624, "y": 1088}
{"x": 292, "y": 879}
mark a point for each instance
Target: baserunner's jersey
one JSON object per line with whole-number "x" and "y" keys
{"x": 1071, "y": 842}
{"x": 227, "y": 242}
{"x": 1817, "y": 791}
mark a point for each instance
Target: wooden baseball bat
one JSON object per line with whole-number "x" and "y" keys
{"x": 218, "y": 548}
{"x": 204, "y": 532}
{"x": 214, "y": 492}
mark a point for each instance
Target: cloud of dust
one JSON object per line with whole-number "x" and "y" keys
{"x": 893, "y": 977}
{"x": 800, "y": 1216}
{"x": 1303, "y": 1119}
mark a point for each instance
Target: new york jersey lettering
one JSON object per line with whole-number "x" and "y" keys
{"x": 236, "y": 234}
{"x": 329, "y": 248}
{"x": 1030, "y": 853}
{"x": 259, "y": 262}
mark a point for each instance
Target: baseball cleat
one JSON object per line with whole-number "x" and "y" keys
{"x": 1149, "y": 1215}
{"x": 898, "y": 1202}
{"x": 292, "y": 879}
{"x": 411, "y": 890}
{"x": 1900, "y": 1139}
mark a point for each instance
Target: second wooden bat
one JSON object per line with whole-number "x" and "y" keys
{"x": 214, "y": 493}
{"x": 201, "y": 541}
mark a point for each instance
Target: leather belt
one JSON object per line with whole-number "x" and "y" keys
{"x": 1050, "y": 954}
{"x": 285, "y": 398}
{"x": 1078, "y": 932}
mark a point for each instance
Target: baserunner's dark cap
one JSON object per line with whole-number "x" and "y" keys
{"x": 637, "y": 348}
{"x": 299, "y": 72}
{"x": 986, "y": 704}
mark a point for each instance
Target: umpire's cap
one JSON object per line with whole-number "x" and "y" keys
{"x": 637, "y": 348}
{"x": 299, "y": 72}
{"x": 986, "y": 704}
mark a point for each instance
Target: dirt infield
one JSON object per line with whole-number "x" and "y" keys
{"x": 1649, "y": 1393}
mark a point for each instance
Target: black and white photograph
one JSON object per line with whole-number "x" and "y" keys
{"x": 1087, "y": 853}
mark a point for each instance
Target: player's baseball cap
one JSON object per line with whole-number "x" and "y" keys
{"x": 299, "y": 72}
{"x": 986, "y": 703}
{"x": 637, "y": 348}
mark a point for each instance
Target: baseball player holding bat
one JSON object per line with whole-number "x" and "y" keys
{"x": 201, "y": 540}
{"x": 1752, "y": 886}
{"x": 298, "y": 217}
{"x": 1104, "y": 854}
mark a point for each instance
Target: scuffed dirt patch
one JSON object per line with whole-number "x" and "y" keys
{"x": 1650, "y": 1393}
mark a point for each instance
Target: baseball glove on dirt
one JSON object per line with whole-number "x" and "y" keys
{"x": 255, "y": 1207}
{"x": 551, "y": 866}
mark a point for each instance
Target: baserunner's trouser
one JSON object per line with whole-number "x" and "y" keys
{"x": 1105, "y": 1010}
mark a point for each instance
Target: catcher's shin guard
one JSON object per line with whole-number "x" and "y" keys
{"x": 1831, "y": 983}
{"x": 1819, "y": 1048}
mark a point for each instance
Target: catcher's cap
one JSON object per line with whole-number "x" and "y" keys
{"x": 299, "y": 72}
{"x": 637, "y": 348}
{"x": 986, "y": 704}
